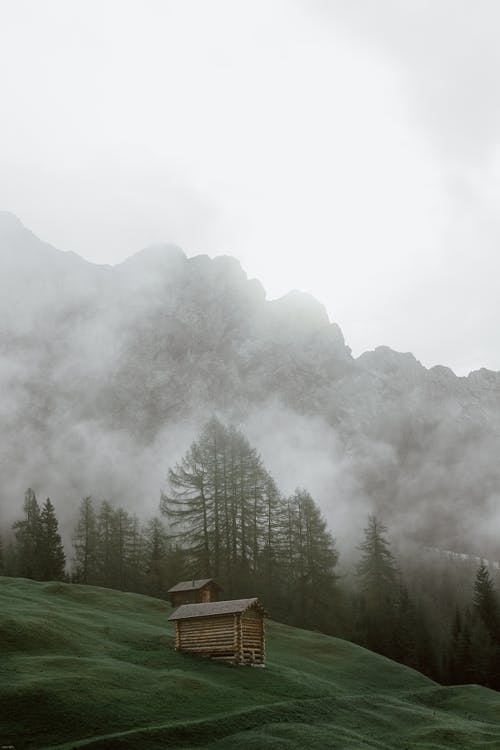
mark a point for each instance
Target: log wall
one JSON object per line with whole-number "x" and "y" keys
{"x": 208, "y": 636}
{"x": 237, "y": 638}
{"x": 253, "y": 643}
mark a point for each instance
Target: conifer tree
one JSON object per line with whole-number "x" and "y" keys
{"x": 27, "y": 535}
{"x": 270, "y": 544}
{"x": 454, "y": 667}
{"x": 155, "y": 548}
{"x": 312, "y": 558}
{"x": 377, "y": 574}
{"x": 52, "y": 558}
{"x": 485, "y": 637}
{"x": 122, "y": 533}
{"x": 485, "y": 601}
{"x": 85, "y": 543}
{"x": 105, "y": 551}
{"x": 216, "y": 503}
{"x": 405, "y": 630}
{"x": 377, "y": 568}
{"x": 189, "y": 507}
{"x": 135, "y": 555}
{"x": 464, "y": 653}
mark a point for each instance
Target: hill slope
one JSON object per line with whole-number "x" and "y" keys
{"x": 95, "y": 668}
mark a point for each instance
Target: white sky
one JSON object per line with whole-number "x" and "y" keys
{"x": 348, "y": 148}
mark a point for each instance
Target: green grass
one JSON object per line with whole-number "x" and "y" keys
{"x": 88, "y": 667}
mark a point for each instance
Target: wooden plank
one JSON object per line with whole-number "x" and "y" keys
{"x": 200, "y": 628}
{"x": 209, "y": 637}
{"x": 219, "y": 647}
{"x": 222, "y": 648}
{"x": 211, "y": 618}
{"x": 263, "y": 639}
{"x": 236, "y": 637}
{"x": 212, "y": 636}
{"x": 208, "y": 642}
{"x": 207, "y": 630}
{"x": 253, "y": 646}
{"x": 240, "y": 638}
{"x": 207, "y": 626}
{"x": 218, "y": 631}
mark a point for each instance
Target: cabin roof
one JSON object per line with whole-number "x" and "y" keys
{"x": 192, "y": 585}
{"x": 233, "y": 606}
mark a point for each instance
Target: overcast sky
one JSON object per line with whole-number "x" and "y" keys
{"x": 348, "y": 148}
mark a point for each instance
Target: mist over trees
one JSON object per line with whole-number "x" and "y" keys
{"x": 101, "y": 397}
{"x": 223, "y": 516}
{"x": 226, "y": 512}
{"x": 100, "y": 394}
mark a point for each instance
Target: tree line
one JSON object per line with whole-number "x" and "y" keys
{"x": 222, "y": 516}
{"x": 425, "y": 619}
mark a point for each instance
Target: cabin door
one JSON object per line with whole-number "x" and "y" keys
{"x": 205, "y": 595}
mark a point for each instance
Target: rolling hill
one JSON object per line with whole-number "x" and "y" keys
{"x": 87, "y": 667}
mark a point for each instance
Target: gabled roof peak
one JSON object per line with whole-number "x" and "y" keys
{"x": 233, "y": 606}
{"x": 193, "y": 584}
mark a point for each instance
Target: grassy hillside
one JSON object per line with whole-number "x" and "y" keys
{"x": 88, "y": 667}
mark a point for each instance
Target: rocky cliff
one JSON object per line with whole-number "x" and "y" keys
{"x": 106, "y": 373}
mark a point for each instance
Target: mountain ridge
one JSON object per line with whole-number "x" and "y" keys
{"x": 109, "y": 371}
{"x": 168, "y": 254}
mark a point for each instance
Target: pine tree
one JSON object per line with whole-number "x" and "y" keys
{"x": 485, "y": 636}
{"x": 27, "y": 535}
{"x": 122, "y": 534}
{"x": 135, "y": 556}
{"x": 155, "y": 548}
{"x": 464, "y": 650}
{"x": 377, "y": 568}
{"x": 377, "y": 574}
{"x": 312, "y": 558}
{"x": 485, "y": 601}
{"x": 405, "y": 630}
{"x": 189, "y": 507}
{"x": 454, "y": 669}
{"x": 52, "y": 558}
{"x": 270, "y": 545}
{"x": 105, "y": 550}
{"x": 216, "y": 504}
{"x": 85, "y": 543}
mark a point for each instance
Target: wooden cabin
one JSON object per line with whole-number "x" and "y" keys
{"x": 198, "y": 591}
{"x": 231, "y": 631}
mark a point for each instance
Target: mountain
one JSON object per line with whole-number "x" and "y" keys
{"x": 95, "y": 668}
{"x": 107, "y": 374}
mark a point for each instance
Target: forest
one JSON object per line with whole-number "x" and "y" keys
{"x": 223, "y": 516}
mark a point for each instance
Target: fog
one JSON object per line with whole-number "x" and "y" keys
{"x": 109, "y": 373}
{"x": 346, "y": 148}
